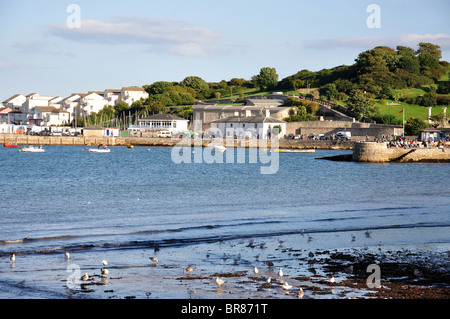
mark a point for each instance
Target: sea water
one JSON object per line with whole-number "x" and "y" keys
{"x": 129, "y": 204}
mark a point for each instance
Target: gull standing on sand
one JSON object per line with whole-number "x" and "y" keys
{"x": 105, "y": 271}
{"x": 85, "y": 277}
{"x": 189, "y": 269}
{"x": 67, "y": 255}
{"x": 154, "y": 259}
{"x": 104, "y": 263}
{"x": 13, "y": 257}
{"x": 256, "y": 270}
{"x": 269, "y": 280}
{"x": 280, "y": 273}
{"x": 300, "y": 293}
{"x": 220, "y": 281}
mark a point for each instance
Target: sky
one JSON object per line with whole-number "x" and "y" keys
{"x": 57, "y": 47}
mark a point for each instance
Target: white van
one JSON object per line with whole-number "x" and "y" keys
{"x": 343, "y": 136}
{"x": 164, "y": 134}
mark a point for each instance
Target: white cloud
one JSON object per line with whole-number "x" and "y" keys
{"x": 411, "y": 40}
{"x": 162, "y": 34}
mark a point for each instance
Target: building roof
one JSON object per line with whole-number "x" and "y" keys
{"x": 163, "y": 117}
{"x": 133, "y": 88}
{"x": 11, "y": 98}
{"x": 265, "y": 101}
{"x": 215, "y": 107}
{"x": 248, "y": 119}
{"x": 50, "y": 109}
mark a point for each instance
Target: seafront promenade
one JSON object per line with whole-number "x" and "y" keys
{"x": 165, "y": 142}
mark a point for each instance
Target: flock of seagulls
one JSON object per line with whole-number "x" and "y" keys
{"x": 285, "y": 285}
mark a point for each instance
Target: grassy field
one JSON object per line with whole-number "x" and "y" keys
{"x": 411, "y": 110}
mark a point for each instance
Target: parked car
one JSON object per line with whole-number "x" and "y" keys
{"x": 343, "y": 136}
{"x": 164, "y": 134}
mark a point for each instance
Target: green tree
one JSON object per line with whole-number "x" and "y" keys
{"x": 414, "y": 125}
{"x": 329, "y": 91}
{"x": 195, "y": 82}
{"x": 431, "y": 49}
{"x": 267, "y": 78}
{"x": 359, "y": 103}
{"x": 121, "y": 107}
{"x": 158, "y": 87}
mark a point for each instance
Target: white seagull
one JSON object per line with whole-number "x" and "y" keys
{"x": 67, "y": 255}
{"x": 256, "y": 270}
{"x": 85, "y": 277}
{"x": 104, "y": 263}
{"x": 280, "y": 273}
{"x": 13, "y": 257}
{"x": 269, "y": 280}
{"x": 105, "y": 271}
{"x": 286, "y": 286}
{"x": 220, "y": 281}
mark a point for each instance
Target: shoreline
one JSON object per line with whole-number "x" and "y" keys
{"x": 167, "y": 142}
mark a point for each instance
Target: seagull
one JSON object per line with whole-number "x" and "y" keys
{"x": 13, "y": 257}
{"x": 104, "y": 263}
{"x": 353, "y": 237}
{"x": 67, "y": 255}
{"x": 269, "y": 280}
{"x": 105, "y": 271}
{"x": 286, "y": 286}
{"x": 280, "y": 273}
{"x": 256, "y": 270}
{"x": 189, "y": 268}
{"x": 85, "y": 277}
{"x": 154, "y": 259}
{"x": 332, "y": 280}
{"x": 220, "y": 281}
{"x": 300, "y": 293}
{"x": 367, "y": 233}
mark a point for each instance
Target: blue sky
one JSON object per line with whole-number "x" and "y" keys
{"x": 126, "y": 43}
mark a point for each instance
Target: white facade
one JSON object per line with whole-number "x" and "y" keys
{"x": 92, "y": 103}
{"x": 112, "y": 96}
{"x": 130, "y": 95}
{"x": 71, "y": 104}
{"x": 48, "y": 116}
{"x": 161, "y": 122}
{"x": 248, "y": 127}
{"x": 15, "y": 102}
{"x": 33, "y": 100}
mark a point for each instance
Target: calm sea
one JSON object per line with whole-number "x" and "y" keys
{"x": 68, "y": 199}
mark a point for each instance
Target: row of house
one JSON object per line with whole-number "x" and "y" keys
{"x": 36, "y": 109}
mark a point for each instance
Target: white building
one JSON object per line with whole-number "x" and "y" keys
{"x": 248, "y": 127}
{"x": 48, "y": 116}
{"x": 91, "y": 102}
{"x": 15, "y": 102}
{"x": 71, "y": 104}
{"x": 33, "y": 100}
{"x": 112, "y": 96}
{"x": 132, "y": 94}
{"x": 160, "y": 122}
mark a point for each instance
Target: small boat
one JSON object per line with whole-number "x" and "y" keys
{"x": 33, "y": 149}
{"x": 295, "y": 151}
{"x": 9, "y": 145}
{"x": 99, "y": 150}
{"x": 130, "y": 146}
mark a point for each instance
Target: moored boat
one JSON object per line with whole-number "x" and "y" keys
{"x": 10, "y": 145}
{"x": 33, "y": 149}
{"x": 99, "y": 150}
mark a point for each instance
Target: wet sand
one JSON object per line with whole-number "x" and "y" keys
{"x": 411, "y": 273}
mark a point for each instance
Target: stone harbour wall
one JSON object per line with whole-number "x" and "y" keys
{"x": 372, "y": 152}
